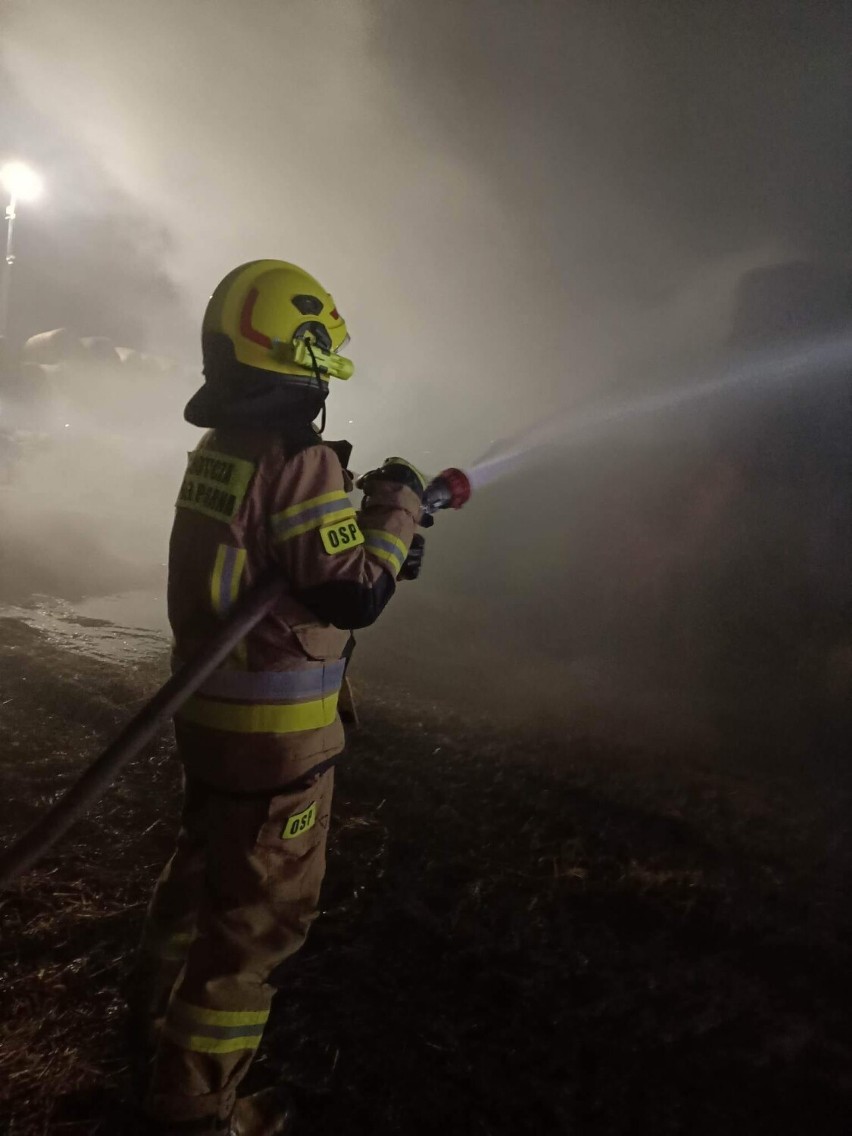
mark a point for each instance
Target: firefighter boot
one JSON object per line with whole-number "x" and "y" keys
{"x": 265, "y": 1113}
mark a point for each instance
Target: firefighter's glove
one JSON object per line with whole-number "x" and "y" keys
{"x": 398, "y": 470}
{"x": 414, "y": 561}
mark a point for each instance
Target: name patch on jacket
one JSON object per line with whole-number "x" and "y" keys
{"x": 300, "y": 823}
{"x": 341, "y": 536}
{"x": 215, "y": 484}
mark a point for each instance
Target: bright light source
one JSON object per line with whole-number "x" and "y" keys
{"x": 21, "y": 181}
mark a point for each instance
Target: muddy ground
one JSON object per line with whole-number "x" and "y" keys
{"x": 523, "y": 932}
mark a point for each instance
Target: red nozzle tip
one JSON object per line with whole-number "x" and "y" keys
{"x": 459, "y": 486}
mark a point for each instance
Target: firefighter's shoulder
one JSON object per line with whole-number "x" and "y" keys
{"x": 311, "y": 494}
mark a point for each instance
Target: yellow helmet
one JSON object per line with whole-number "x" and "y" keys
{"x": 279, "y": 318}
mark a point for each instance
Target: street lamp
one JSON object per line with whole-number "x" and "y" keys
{"x": 22, "y": 184}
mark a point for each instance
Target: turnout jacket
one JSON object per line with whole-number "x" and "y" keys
{"x": 251, "y": 500}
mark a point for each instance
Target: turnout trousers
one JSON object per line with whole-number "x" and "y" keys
{"x": 236, "y": 899}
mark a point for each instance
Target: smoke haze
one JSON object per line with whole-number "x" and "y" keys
{"x": 510, "y": 202}
{"x": 516, "y": 205}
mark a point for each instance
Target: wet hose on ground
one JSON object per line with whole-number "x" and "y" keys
{"x": 248, "y": 611}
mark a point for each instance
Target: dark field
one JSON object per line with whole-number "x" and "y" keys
{"x": 521, "y": 934}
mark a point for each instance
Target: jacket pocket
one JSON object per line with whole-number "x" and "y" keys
{"x": 320, "y": 642}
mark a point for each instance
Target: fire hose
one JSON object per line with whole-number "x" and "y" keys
{"x": 449, "y": 490}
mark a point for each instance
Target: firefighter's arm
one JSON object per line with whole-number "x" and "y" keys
{"x": 341, "y": 564}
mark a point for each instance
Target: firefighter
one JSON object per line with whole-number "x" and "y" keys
{"x": 258, "y": 741}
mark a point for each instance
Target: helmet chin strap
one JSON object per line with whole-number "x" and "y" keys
{"x": 323, "y": 391}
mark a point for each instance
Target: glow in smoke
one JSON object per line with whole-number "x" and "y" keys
{"x": 808, "y": 359}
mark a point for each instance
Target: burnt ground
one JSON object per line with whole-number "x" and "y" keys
{"x": 521, "y": 933}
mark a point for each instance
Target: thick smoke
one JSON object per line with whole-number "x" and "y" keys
{"x": 509, "y": 201}
{"x": 516, "y": 205}
{"x": 88, "y": 256}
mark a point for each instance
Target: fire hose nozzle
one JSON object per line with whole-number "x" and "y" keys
{"x": 449, "y": 490}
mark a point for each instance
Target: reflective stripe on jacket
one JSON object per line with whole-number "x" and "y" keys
{"x": 247, "y": 504}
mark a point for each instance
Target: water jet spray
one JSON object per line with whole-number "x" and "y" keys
{"x": 821, "y": 357}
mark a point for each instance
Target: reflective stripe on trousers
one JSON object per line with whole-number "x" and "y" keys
{"x": 213, "y": 1031}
